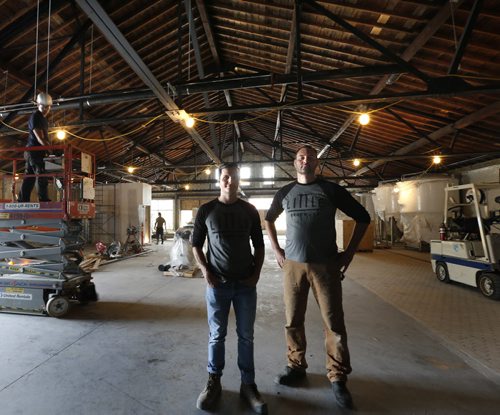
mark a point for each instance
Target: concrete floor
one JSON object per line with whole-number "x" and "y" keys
{"x": 417, "y": 346}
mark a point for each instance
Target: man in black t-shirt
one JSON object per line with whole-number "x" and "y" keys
{"x": 38, "y": 128}
{"x": 159, "y": 223}
{"x": 232, "y": 272}
{"x": 310, "y": 259}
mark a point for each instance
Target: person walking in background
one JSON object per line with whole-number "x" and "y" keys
{"x": 38, "y": 128}
{"x": 232, "y": 273}
{"x": 158, "y": 228}
{"x": 310, "y": 260}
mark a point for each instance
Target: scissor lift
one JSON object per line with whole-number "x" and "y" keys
{"x": 41, "y": 243}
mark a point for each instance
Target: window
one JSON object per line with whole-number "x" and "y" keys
{"x": 245, "y": 173}
{"x": 217, "y": 176}
{"x": 166, "y": 208}
{"x": 268, "y": 173}
{"x": 263, "y": 204}
{"x": 186, "y": 217}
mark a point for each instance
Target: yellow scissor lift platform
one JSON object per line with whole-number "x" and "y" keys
{"x": 41, "y": 243}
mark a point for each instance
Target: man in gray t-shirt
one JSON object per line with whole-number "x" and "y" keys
{"x": 310, "y": 259}
{"x": 229, "y": 224}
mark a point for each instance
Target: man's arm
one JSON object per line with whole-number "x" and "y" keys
{"x": 258, "y": 261}
{"x": 203, "y": 264}
{"x": 273, "y": 237}
{"x": 346, "y": 257}
{"x": 40, "y": 136}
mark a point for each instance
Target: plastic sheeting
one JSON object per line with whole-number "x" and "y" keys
{"x": 181, "y": 253}
{"x": 420, "y": 227}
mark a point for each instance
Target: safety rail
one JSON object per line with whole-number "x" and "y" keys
{"x": 71, "y": 174}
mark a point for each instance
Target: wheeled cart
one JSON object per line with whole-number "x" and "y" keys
{"x": 41, "y": 243}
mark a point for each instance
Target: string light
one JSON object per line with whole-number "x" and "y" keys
{"x": 436, "y": 159}
{"x": 187, "y": 187}
{"x": 356, "y": 162}
{"x": 208, "y": 171}
{"x": 130, "y": 169}
{"x": 61, "y": 134}
{"x": 189, "y": 122}
{"x": 364, "y": 118}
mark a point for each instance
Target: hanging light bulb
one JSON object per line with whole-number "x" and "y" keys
{"x": 130, "y": 169}
{"x": 436, "y": 159}
{"x": 187, "y": 187}
{"x": 364, "y": 118}
{"x": 189, "y": 122}
{"x": 356, "y": 162}
{"x": 207, "y": 171}
{"x": 61, "y": 134}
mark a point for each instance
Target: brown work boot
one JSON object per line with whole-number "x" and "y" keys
{"x": 252, "y": 396}
{"x": 211, "y": 394}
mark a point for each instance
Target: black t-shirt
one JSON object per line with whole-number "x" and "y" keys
{"x": 229, "y": 229}
{"x": 36, "y": 122}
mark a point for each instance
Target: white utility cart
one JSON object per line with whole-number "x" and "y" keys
{"x": 469, "y": 249}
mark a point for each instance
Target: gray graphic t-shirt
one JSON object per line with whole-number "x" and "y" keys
{"x": 229, "y": 229}
{"x": 310, "y": 218}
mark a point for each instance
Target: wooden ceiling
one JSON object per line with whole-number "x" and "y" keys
{"x": 262, "y": 77}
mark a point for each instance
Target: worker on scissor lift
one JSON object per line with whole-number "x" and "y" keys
{"x": 38, "y": 127}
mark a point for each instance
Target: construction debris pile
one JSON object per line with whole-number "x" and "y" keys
{"x": 114, "y": 252}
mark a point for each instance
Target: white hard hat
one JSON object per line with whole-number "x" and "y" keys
{"x": 44, "y": 99}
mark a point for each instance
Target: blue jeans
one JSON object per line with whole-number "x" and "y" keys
{"x": 244, "y": 299}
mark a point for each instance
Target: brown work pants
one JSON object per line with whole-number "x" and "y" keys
{"x": 324, "y": 279}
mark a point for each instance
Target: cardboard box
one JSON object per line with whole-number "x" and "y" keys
{"x": 344, "y": 231}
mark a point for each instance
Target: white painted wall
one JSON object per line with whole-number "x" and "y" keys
{"x": 130, "y": 201}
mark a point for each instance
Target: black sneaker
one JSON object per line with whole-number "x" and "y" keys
{"x": 290, "y": 377}
{"x": 252, "y": 396}
{"x": 342, "y": 394}
{"x": 211, "y": 394}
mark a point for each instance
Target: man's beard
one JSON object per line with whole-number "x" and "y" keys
{"x": 305, "y": 169}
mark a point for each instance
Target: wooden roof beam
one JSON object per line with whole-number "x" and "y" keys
{"x": 451, "y": 128}
{"x": 111, "y": 32}
{"x": 423, "y": 37}
{"x": 367, "y": 39}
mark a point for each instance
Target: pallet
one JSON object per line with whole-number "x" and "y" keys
{"x": 91, "y": 262}
{"x": 187, "y": 273}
